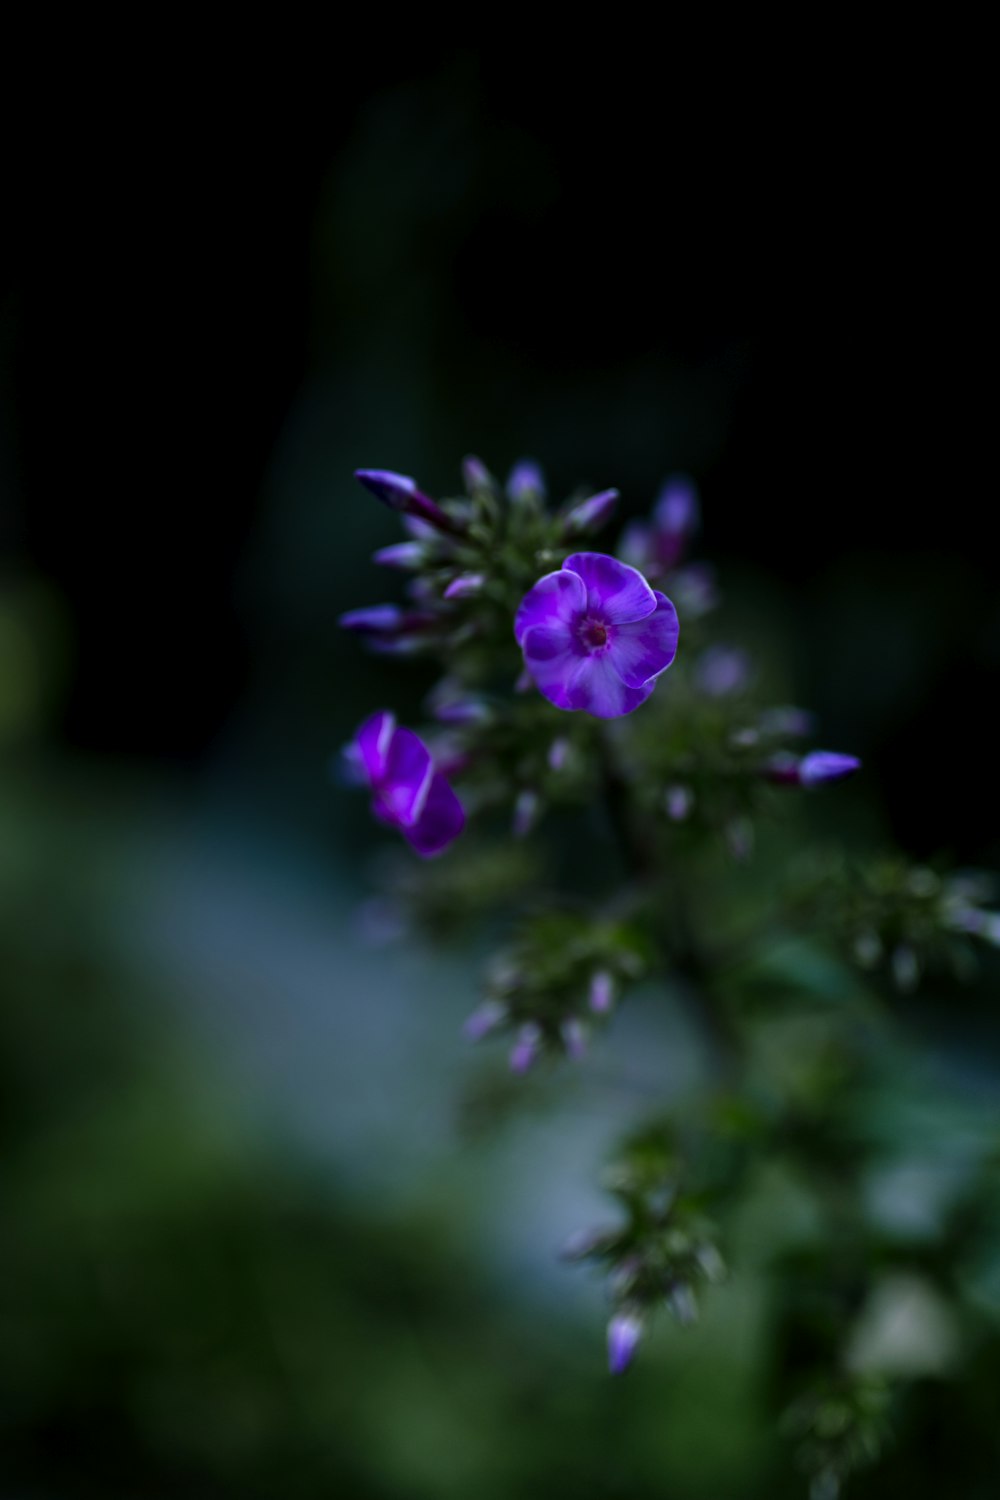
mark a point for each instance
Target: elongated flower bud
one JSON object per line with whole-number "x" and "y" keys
{"x": 574, "y": 1038}
{"x": 678, "y": 801}
{"x": 386, "y": 620}
{"x": 465, "y": 586}
{"x": 602, "y": 992}
{"x": 405, "y": 555}
{"x": 814, "y": 769}
{"x": 476, "y": 476}
{"x": 526, "y": 1048}
{"x": 624, "y": 1333}
{"x": 526, "y": 482}
{"x": 400, "y": 492}
{"x": 821, "y": 766}
{"x": 590, "y": 515}
{"x": 486, "y": 1019}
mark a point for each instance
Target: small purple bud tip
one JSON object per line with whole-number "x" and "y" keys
{"x": 592, "y": 514}
{"x": 585, "y": 1241}
{"x": 574, "y": 1038}
{"x": 400, "y": 492}
{"x": 624, "y": 1334}
{"x": 475, "y": 474}
{"x": 465, "y": 586}
{"x": 679, "y": 801}
{"x": 404, "y": 555}
{"x": 526, "y": 1049}
{"x": 821, "y": 766}
{"x": 488, "y": 1018}
{"x": 602, "y": 992}
{"x": 526, "y": 482}
{"x": 375, "y": 619}
{"x": 394, "y": 490}
{"x": 558, "y": 754}
{"x": 526, "y": 810}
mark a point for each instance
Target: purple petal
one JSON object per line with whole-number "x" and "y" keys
{"x": 615, "y": 591}
{"x": 596, "y": 688}
{"x": 552, "y": 655}
{"x": 554, "y": 598}
{"x": 441, "y": 820}
{"x": 645, "y": 648}
{"x": 624, "y": 1333}
{"x": 406, "y": 781}
{"x": 373, "y": 740}
{"x": 820, "y": 766}
{"x": 526, "y": 482}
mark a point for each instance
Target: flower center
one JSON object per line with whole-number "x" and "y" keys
{"x": 593, "y": 633}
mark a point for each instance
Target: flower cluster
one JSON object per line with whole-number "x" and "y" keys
{"x": 561, "y": 694}
{"x": 562, "y": 976}
{"x": 656, "y": 1257}
{"x": 594, "y": 638}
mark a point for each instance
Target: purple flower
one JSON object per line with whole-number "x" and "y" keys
{"x": 624, "y": 1333}
{"x": 400, "y": 492}
{"x": 595, "y": 636}
{"x": 408, "y": 793}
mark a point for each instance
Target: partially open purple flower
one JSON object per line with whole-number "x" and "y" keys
{"x": 595, "y": 636}
{"x": 408, "y": 793}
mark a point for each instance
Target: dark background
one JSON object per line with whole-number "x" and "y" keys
{"x": 247, "y": 1250}
{"x": 619, "y": 270}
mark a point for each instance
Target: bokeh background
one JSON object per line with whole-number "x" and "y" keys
{"x": 254, "y": 1240}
